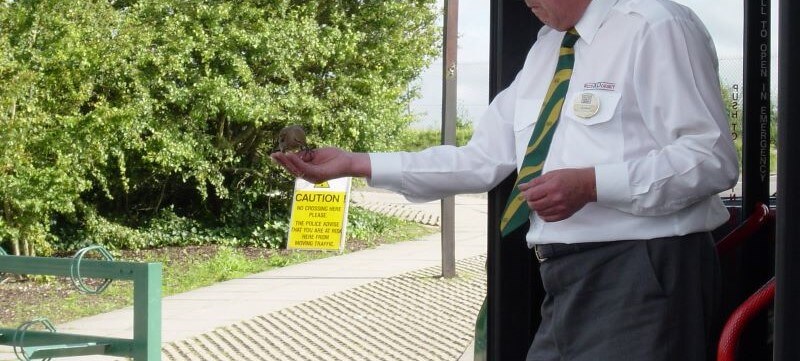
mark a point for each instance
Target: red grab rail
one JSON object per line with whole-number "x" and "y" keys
{"x": 729, "y": 340}
{"x": 745, "y": 230}
{"x": 758, "y": 301}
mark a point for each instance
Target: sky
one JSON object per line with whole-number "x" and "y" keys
{"x": 723, "y": 18}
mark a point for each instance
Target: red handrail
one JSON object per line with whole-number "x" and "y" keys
{"x": 729, "y": 340}
{"x": 738, "y": 320}
{"x": 744, "y": 230}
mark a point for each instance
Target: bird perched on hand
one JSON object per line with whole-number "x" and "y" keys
{"x": 293, "y": 137}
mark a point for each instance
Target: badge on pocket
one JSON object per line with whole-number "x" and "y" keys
{"x": 586, "y": 105}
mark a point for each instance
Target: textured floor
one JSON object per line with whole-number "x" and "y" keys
{"x": 415, "y": 316}
{"x": 409, "y": 212}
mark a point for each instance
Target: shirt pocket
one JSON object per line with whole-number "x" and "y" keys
{"x": 526, "y": 111}
{"x": 607, "y": 103}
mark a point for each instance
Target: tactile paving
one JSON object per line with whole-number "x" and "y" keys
{"x": 415, "y": 316}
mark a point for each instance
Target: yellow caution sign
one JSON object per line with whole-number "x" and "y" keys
{"x": 319, "y": 215}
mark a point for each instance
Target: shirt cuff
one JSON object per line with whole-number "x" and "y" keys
{"x": 612, "y": 185}
{"x": 386, "y": 169}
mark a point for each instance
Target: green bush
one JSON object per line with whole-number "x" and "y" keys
{"x": 131, "y": 108}
{"x": 419, "y": 139}
{"x": 169, "y": 229}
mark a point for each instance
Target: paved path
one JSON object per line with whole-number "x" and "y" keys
{"x": 386, "y": 303}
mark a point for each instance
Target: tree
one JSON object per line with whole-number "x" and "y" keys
{"x": 120, "y": 110}
{"x": 51, "y": 54}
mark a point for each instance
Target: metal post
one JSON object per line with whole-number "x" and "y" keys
{"x": 514, "y": 285}
{"x": 147, "y": 313}
{"x": 757, "y": 106}
{"x": 787, "y": 261}
{"x": 755, "y": 256}
{"x": 449, "y": 84}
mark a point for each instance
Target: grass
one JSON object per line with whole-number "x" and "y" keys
{"x": 184, "y": 269}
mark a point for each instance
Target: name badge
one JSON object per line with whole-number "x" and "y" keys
{"x": 586, "y": 105}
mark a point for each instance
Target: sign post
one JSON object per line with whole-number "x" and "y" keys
{"x": 449, "y": 85}
{"x": 319, "y": 215}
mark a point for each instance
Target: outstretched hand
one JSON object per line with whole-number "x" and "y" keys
{"x": 324, "y": 164}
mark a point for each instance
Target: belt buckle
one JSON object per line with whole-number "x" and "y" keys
{"x": 538, "y": 256}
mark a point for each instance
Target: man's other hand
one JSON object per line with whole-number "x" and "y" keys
{"x": 558, "y": 194}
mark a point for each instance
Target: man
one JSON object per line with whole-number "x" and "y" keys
{"x": 633, "y": 149}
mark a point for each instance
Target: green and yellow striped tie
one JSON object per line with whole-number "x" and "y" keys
{"x": 517, "y": 211}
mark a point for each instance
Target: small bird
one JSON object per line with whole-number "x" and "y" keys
{"x": 293, "y": 137}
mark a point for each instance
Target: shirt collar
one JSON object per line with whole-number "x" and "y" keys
{"x": 593, "y": 18}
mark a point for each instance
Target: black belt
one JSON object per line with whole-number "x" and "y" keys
{"x": 553, "y": 250}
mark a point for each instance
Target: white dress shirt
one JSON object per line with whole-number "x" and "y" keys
{"x": 660, "y": 141}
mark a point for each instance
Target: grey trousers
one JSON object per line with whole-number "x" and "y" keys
{"x": 653, "y": 300}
